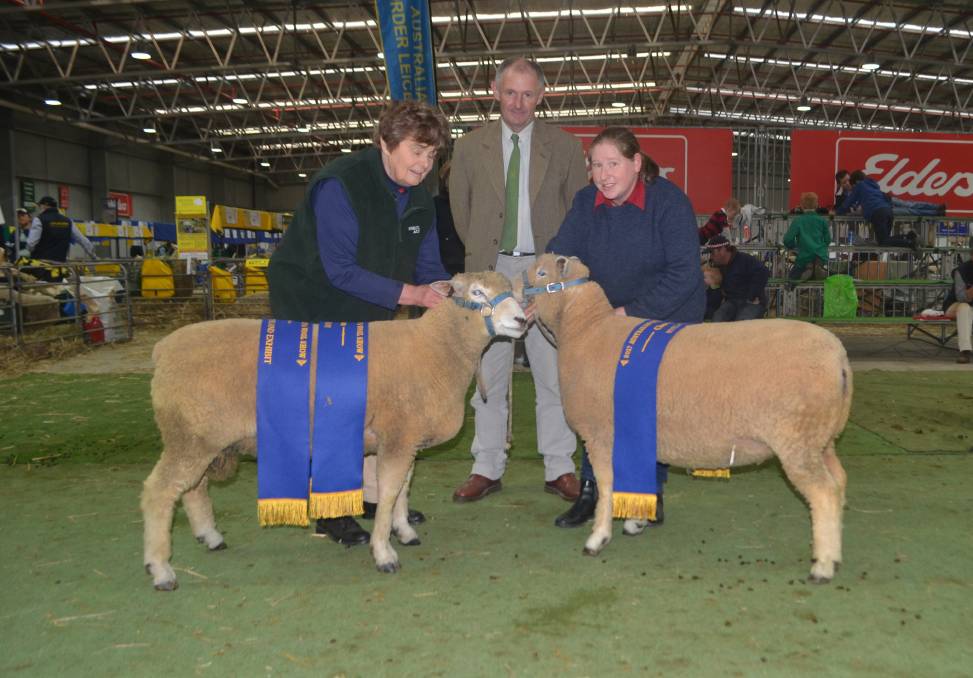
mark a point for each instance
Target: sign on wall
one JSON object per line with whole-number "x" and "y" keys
{"x": 696, "y": 160}
{"x": 192, "y": 227}
{"x": 926, "y": 167}
{"x": 123, "y": 203}
{"x": 407, "y": 47}
{"x": 63, "y": 198}
{"x": 27, "y": 192}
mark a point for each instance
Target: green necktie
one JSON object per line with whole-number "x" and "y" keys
{"x": 511, "y": 208}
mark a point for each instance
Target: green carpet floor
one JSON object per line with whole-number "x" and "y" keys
{"x": 494, "y": 589}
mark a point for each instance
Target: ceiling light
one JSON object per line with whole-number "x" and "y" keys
{"x": 346, "y": 150}
{"x": 302, "y": 175}
{"x": 380, "y": 55}
{"x": 149, "y": 129}
{"x": 619, "y": 104}
{"x": 871, "y": 66}
{"x": 215, "y": 149}
{"x": 264, "y": 163}
{"x": 239, "y": 100}
{"x": 52, "y": 100}
{"x": 139, "y": 52}
{"x": 734, "y": 154}
{"x": 804, "y": 105}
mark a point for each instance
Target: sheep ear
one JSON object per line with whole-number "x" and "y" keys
{"x": 563, "y": 264}
{"x": 445, "y": 288}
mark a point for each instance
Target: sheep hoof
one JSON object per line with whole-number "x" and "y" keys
{"x": 821, "y": 573}
{"x": 219, "y": 547}
{"x": 815, "y": 579}
{"x": 167, "y": 585}
{"x": 632, "y": 528}
{"x": 388, "y": 568}
{"x": 412, "y": 542}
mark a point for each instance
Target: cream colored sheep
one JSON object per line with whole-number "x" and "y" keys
{"x": 204, "y": 396}
{"x": 729, "y": 394}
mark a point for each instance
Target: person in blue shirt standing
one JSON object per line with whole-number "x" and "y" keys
{"x": 362, "y": 242}
{"x": 637, "y": 235}
{"x": 877, "y": 209}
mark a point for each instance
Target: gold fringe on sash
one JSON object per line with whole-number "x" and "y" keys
{"x": 710, "y": 473}
{"x": 282, "y": 512}
{"x": 336, "y": 504}
{"x": 633, "y": 505}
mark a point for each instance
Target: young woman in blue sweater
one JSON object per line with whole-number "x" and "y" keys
{"x": 637, "y": 235}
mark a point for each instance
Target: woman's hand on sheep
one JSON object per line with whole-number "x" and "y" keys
{"x": 620, "y": 310}
{"x": 420, "y": 295}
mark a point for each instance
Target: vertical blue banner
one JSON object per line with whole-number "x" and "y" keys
{"x": 407, "y": 46}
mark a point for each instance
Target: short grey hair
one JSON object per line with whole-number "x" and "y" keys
{"x": 519, "y": 64}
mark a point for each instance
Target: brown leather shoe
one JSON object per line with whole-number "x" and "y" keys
{"x": 475, "y": 488}
{"x": 964, "y": 357}
{"x": 567, "y": 487}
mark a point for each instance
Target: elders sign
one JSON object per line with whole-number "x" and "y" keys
{"x": 924, "y": 167}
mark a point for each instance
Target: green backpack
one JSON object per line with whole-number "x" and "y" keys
{"x": 840, "y": 299}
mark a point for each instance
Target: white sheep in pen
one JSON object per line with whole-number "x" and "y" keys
{"x": 204, "y": 396}
{"x": 785, "y": 389}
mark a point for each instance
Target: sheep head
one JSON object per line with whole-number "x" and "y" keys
{"x": 491, "y": 296}
{"x": 556, "y": 275}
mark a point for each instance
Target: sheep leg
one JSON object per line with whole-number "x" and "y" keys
{"x": 601, "y": 534}
{"x": 392, "y": 470}
{"x": 400, "y": 515}
{"x": 199, "y": 510}
{"x": 811, "y": 475}
{"x": 170, "y": 478}
{"x": 836, "y": 469}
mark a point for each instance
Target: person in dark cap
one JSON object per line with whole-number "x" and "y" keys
{"x": 51, "y": 235}
{"x": 744, "y": 282}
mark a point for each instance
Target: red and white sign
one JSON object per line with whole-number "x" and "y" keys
{"x": 63, "y": 197}
{"x": 696, "y": 160}
{"x": 923, "y": 167}
{"x": 123, "y": 203}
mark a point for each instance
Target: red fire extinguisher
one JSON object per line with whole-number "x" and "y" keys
{"x": 94, "y": 331}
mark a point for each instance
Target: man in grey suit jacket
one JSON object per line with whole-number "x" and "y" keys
{"x": 550, "y": 168}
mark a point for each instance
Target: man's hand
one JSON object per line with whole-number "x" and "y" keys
{"x": 529, "y": 312}
{"x": 420, "y": 295}
{"x": 620, "y": 311}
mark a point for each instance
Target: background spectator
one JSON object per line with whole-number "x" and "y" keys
{"x": 713, "y": 279}
{"x": 877, "y": 209}
{"x": 719, "y": 220}
{"x": 810, "y": 235}
{"x": 744, "y": 282}
{"x": 957, "y": 303}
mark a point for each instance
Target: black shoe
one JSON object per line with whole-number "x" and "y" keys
{"x": 660, "y": 513}
{"x": 583, "y": 508}
{"x": 344, "y": 530}
{"x": 415, "y": 517}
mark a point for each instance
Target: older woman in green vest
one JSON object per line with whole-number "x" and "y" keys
{"x": 362, "y": 242}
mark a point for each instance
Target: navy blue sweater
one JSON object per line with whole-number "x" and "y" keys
{"x": 744, "y": 278}
{"x": 646, "y": 260}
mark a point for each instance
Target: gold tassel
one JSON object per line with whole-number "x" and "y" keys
{"x": 282, "y": 512}
{"x": 710, "y": 473}
{"x": 336, "y": 504}
{"x": 633, "y": 505}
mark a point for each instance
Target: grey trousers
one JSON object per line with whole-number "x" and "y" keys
{"x": 555, "y": 441}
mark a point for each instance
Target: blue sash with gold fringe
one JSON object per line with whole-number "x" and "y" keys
{"x": 634, "y": 449}
{"x": 306, "y": 471}
{"x": 283, "y": 427}
{"x": 339, "y": 420}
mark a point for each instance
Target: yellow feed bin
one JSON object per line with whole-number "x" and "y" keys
{"x": 157, "y": 279}
{"x": 222, "y": 282}
{"x": 254, "y": 277}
